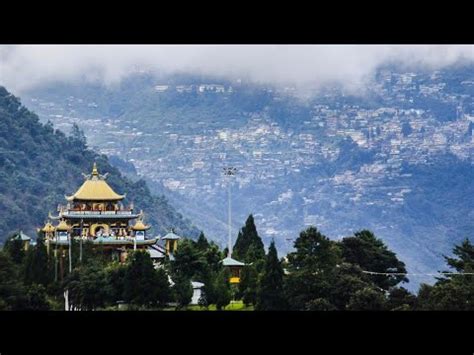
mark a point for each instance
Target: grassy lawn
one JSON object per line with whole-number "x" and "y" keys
{"x": 233, "y": 306}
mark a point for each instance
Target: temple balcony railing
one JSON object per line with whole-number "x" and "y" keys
{"x": 104, "y": 240}
{"x": 98, "y": 214}
{"x": 70, "y": 208}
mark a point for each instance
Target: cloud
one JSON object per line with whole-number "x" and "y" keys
{"x": 23, "y": 67}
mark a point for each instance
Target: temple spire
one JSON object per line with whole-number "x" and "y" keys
{"x": 95, "y": 172}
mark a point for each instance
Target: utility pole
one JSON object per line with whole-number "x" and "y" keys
{"x": 66, "y": 292}
{"x": 229, "y": 172}
{"x": 70, "y": 252}
{"x": 80, "y": 242}
{"x": 56, "y": 261}
{"x": 61, "y": 263}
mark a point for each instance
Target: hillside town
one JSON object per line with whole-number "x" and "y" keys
{"x": 337, "y": 161}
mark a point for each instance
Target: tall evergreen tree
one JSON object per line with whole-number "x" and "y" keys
{"x": 86, "y": 287}
{"x": 38, "y": 268}
{"x": 454, "y": 292}
{"x": 463, "y": 260}
{"x": 209, "y": 289}
{"x": 188, "y": 261}
{"x": 347, "y": 280}
{"x": 213, "y": 257}
{"x": 142, "y": 286}
{"x": 12, "y": 292}
{"x": 202, "y": 244}
{"x": 115, "y": 282}
{"x": 163, "y": 285}
{"x": 248, "y": 285}
{"x": 311, "y": 268}
{"x": 78, "y": 136}
{"x": 14, "y": 248}
{"x": 371, "y": 254}
{"x": 367, "y": 299}
{"x": 37, "y": 298}
{"x": 183, "y": 291}
{"x": 270, "y": 295}
{"x": 400, "y": 299}
{"x": 248, "y": 240}
{"x": 222, "y": 290}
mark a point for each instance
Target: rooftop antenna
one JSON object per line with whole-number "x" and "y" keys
{"x": 229, "y": 172}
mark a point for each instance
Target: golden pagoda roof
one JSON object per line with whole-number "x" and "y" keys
{"x": 48, "y": 228}
{"x": 63, "y": 226}
{"x": 95, "y": 189}
{"x": 140, "y": 226}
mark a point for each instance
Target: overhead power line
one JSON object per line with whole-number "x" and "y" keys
{"x": 416, "y": 274}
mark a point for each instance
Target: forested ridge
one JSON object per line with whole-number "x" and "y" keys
{"x": 39, "y": 165}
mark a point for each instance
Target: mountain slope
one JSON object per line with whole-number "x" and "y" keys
{"x": 40, "y": 165}
{"x": 397, "y": 160}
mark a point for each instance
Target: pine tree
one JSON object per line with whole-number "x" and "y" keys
{"x": 311, "y": 268}
{"x": 115, "y": 282}
{"x": 202, "y": 244}
{"x": 319, "y": 304}
{"x": 12, "y": 292}
{"x": 209, "y": 288}
{"x": 347, "y": 280}
{"x": 141, "y": 284}
{"x": 87, "y": 287}
{"x": 453, "y": 292}
{"x": 189, "y": 261}
{"x": 78, "y": 136}
{"x": 424, "y": 299}
{"x": 37, "y": 268}
{"x": 270, "y": 289}
{"x": 14, "y": 248}
{"x": 163, "y": 287}
{"x": 37, "y": 298}
{"x": 370, "y": 253}
{"x": 367, "y": 299}
{"x": 248, "y": 285}
{"x": 464, "y": 260}
{"x": 223, "y": 294}
{"x": 249, "y": 240}
{"x": 400, "y": 299}
{"x": 214, "y": 257}
{"x": 93, "y": 286}
{"x": 183, "y": 291}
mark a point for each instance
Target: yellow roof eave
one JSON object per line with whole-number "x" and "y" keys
{"x": 95, "y": 190}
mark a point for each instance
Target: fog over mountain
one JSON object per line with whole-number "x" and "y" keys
{"x": 306, "y": 66}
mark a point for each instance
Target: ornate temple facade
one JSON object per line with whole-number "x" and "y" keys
{"x": 95, "y": 213}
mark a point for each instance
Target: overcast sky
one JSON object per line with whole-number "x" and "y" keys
{"x": 25, "y": 66}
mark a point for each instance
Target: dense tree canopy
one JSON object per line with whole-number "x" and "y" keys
{"x": 371, "y": 254}
{"x": 38, "y": 267}
{"x": 311, "y": 268}
{"x": 222, "y": 290}
{"x": 11, "y": 289}
{"x": 143, "y": 285}
{"x": 455, "y": 291}
{"x": 319, "y": 275}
